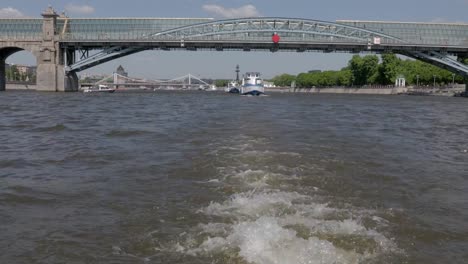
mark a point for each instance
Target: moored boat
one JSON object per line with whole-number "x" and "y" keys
{"x": 233, "y": 87}
{"x": 100, "y": 89}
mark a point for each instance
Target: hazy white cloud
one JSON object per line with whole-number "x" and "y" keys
{"x": 9, "y": 12}
{"x": 243, "y": 11}
{"x": 79, "y": 9}
{"x": 438, "y": 20}
{"x": 443, "y": 20}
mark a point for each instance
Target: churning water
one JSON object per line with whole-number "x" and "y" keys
{"x": 199, "y": 177}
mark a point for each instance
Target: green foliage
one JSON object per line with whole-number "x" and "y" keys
{"x": 364, "y": 69}
{"x": 9, "y": 74}
{"x": 13, "y": 74}
{"x": 326, "y": 78}
{"x": 221, "y": 83}
{"x": 389, "y": 69}
{"x": 283, "y": 80}
{"x": 417, "y": 72}
{"x": 86, "y": 80}
{"x": 367, "y": 70}
{"x": 344, "y": 77}
{"x": 463, "y": 60}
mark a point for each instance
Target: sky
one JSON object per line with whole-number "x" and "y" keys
{"x": 209, "y": 64}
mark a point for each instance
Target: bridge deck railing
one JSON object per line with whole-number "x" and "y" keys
{"x": 21, "y": 37}
{"x": 20, "y": 29}
{"x": 237, "y": 37}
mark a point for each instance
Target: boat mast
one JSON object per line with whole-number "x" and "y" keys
{"x": 237, "y": 73}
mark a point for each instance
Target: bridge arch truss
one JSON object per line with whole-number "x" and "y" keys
{"x": 255, "y": 34}
{"x": 261, "y": 29}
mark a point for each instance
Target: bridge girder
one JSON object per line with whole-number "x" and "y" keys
{"x": 261, "y": 29}
{"x": 255, "y": 33}
{"x": 101, "y": 57}
{"x": 441, "y": 60}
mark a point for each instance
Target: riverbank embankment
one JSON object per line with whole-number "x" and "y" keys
{"x": 341, "y": 90}
{"x": 446, "y": 91}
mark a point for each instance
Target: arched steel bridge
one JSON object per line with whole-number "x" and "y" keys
{"x": 188, "y": 81}
{"x": 64, "y": 46}
{"x": 298, "y": 35}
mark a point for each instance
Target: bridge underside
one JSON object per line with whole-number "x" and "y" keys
{"x": 297, "y": 35}
{"x": 437, "y": 56}
{"x": 432, "y": 57}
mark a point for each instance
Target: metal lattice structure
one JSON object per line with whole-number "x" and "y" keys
{"x": 296, "y": 35}
{"x": 260, "y": 29}
{"x": 440, "y": 60}
{"x": 233, "y": 34}
{"x": 89, "y": 42}
{"x": 188, "y": 81}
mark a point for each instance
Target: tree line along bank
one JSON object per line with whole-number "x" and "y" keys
{"x": 370, "y": 70}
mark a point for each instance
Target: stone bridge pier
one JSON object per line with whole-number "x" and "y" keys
{"x": 50, "y": 74}
{"x": 466, "y": 85}
{"x": 2, "y": 74}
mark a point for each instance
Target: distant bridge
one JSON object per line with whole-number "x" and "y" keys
{"x": 186, "y": 82}
{"x": 64, "y": 46}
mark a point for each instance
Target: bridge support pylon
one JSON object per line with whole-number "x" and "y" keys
{"x": 52, "y": 78}
{"x": 466, "y": 85}
{"x": 71, "y": 83}
{"x": 2, "y": 74}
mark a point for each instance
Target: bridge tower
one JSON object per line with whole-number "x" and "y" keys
{"x": 51, "y": 74}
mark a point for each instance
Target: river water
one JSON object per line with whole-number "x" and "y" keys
{"x": 208, "y": 177}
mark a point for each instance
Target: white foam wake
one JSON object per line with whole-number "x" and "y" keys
{"x": 269, "y": 218}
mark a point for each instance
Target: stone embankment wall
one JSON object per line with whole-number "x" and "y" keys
{"x": 340, "y": 90}
{"x": 19, "y": 86}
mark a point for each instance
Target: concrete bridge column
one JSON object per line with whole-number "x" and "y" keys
{"x": 51, "y": 77}
{"x": 466, "y": 85}
{"x": 71, "y": 83}
{"x": 2, "y": 74}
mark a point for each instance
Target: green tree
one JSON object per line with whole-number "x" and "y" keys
{"x": 85, "y": 80}
{"x": 344, "y": 77}
{"x": 363, "y": 69}
{"x": 302, "y": 80}
{"x": 283, "y": 80}
{"x": 14, "y": 73}
{"x": 9, "y": 74}
{"x": 389, "y": 69}
{"x": 367, "y": 70}
{"x": 221, "y": 83}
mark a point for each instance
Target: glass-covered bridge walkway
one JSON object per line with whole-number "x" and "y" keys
{"x": 78, "y": 44}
